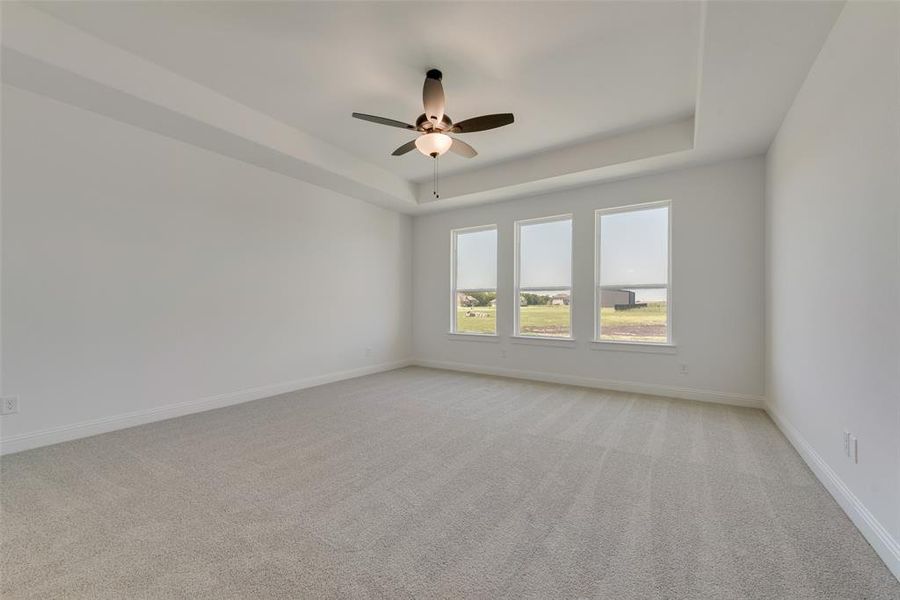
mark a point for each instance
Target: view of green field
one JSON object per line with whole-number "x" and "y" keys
{"x": 647, "y": 324}
{"x": 533, "y": 320}
{"x": 478, "y": 319}
{"x": 545, "y": 320}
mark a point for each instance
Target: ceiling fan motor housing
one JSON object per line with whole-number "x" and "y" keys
{"x": 423, "y": 123}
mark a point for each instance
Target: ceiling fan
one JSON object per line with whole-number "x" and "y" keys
{"x": 434, "y": 125}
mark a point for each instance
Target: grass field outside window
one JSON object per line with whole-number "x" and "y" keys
{"x": 533, "y": 320}
{"x": 639, "y": 325}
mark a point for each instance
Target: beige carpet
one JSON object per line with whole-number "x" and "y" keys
{"x": 429, "y": 484}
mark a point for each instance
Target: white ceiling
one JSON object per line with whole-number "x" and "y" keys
{"x": 569, "y": 71}
{"x": 600, "y": 90}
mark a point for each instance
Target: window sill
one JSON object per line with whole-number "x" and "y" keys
{"x": 635, "y": 347}
{"x": 473, "y": 337}
{"x": 534, "y": 340}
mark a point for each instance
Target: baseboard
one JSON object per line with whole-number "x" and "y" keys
{"x": 651, "y": 389}
{"x": 887, "y": 548}
{"x": 65, "y": 433}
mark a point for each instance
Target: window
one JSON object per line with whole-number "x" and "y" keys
{"x": 544, "y": 277}
{"x": 633, "y": 296}
{"x": 474, "y": 280}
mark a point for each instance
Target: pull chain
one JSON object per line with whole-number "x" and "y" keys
{"x": 434, "y": 185}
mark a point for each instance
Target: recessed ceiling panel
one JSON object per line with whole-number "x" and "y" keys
{"x": 569, "y": 71}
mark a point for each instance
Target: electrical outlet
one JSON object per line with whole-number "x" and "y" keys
{"x": 502, "y": 353}
{"x": 9, "y": 405}
{"x": 368, "y": 352}
{"x": 847, "y": 443}
{"x": 684, "y": 369}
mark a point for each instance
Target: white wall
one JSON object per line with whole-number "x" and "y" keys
{"x": 717, "y": 271}
{"x": 141, "y": 272}
{"x": 833, "y": 267}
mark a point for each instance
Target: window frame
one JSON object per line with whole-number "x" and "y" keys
{"x": 517, "y": 267}
{"x": 598, "y": 288}
{"x": 454, "y": 234}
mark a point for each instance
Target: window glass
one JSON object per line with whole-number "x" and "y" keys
{"x": 476, "y": 260}
{"x": 633, "y": 286}
{"x": 544, "y": 292}
{"x": 474, "y": 289}
{"x": 545, "y": 254}
{"x": 634, "y": 247}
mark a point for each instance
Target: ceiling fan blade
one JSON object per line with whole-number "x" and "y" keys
{"x": 404, "y": 148}
{"x": 483, "y": 123}
{"x": 384, "y": 121}
{"x": 433, "y": 96}
{"x": 462, "y": 148}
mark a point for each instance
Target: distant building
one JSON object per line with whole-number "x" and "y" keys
{"x": 611, "y": 298}
{"x": 493, "y": 303}
{"x": 620, "y": 300}
{"x": 560, "y": 299}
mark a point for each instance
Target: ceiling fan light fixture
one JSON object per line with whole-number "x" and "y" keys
{"x": 433, "y": 144}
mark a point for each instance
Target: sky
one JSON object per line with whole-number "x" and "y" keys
{"x": 633, "y": 250}
{"x": 634, "y": 247}
{"x": 476, "y": 260}
{"x": 545, "y": 254}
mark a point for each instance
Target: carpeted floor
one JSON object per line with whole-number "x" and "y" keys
{"x": 430, "y": 484}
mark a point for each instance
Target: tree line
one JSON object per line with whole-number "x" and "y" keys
{"x": 525, "y": 298}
